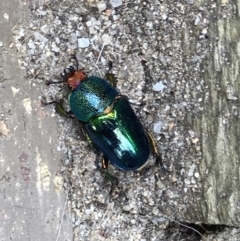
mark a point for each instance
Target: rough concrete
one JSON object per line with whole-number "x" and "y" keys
{"x": 158, "y": 49}
{"x": 31, "y": 194}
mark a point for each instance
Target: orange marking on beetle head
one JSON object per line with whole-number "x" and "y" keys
{"x": 76, "y": 78}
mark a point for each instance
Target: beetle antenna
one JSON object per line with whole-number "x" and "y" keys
{"x": 100, "y": 53}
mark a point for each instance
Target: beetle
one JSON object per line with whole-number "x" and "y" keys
{"x": 108, "y": 120}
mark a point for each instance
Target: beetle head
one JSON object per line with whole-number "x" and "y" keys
{"x": 73, "y": 77}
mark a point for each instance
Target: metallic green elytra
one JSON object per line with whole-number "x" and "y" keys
{"x": 120, "y": 136}
{"x": 109, "y": 121}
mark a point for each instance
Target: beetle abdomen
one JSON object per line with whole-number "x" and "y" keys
{"x": 120, "y": 136}
{"x": 91, "y": 98}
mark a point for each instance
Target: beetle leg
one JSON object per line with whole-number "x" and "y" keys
{"x": 60, "y": 110}
{"x": 107, "y": 175}
{"x": 155, "y": 150}
{"x": 110, "y": 65}
{"x": 111, "y": 79}
{"x": 49, "y": 82}
{"x": 58, "y": 107}
{"x": 105, "y": 162}
{"x": 45, "y": 103}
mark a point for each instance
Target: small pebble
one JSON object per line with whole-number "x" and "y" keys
{"x": 157, "y": 127}
{"x": 6, "y": 16}
{"x": 101, "y": 6}
{"x": 159, "y": 86}
{"x": 116, "y": 3}
{"x": 83, "y": 42}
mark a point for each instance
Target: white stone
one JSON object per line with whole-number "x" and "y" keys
{"x": 159, "y": 86}
{"x": 116, "y": 3}
{"x": 101, "y": 6}
{"x": 45, "y": 28}
{"x": 6, "y": 16}
{"x": 83, "y": 42}
{"x": 157, "y": 127}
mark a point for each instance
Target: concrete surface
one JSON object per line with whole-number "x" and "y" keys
{"x": 151, "y": 43}
{"x": 31, "y": 195}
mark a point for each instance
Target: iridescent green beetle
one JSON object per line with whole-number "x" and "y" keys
{"x": 109, "y": 121}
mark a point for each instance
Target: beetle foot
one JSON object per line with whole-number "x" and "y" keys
{"x": 112, "y": 179}
{"x": 48, "y": 82}
{"x": 45, "y": 103}
{"x": 146, "y": 172}
{"x": 159, "y": 163}
{"x": 109, "y": 176}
